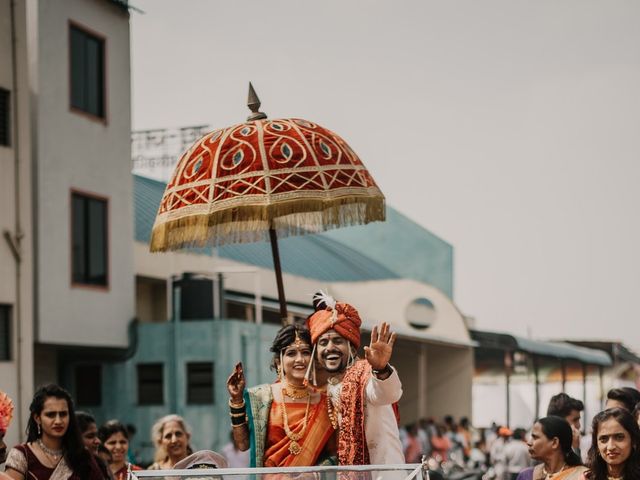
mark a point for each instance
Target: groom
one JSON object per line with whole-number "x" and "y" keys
{"x": 361, "y": 391}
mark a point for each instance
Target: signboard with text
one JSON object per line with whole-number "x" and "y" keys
{"x": 155, "y": 152}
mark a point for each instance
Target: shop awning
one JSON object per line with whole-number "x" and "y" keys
{"x": 559, "y": 350}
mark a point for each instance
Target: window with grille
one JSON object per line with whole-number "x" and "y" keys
{"x": 200, "y": 383}
{"x": 87, "y": 71}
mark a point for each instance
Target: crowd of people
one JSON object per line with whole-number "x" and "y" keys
{"x": 65, "y": 444}
{"x": 327, "y": 406}
{"x": 552, "y": 448}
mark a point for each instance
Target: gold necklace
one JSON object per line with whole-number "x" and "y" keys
{"x": 294, "y": 446}
{"x": 294, "y": 391}
{"x": 552, "y": 474}
{"x": 332, "y": 414}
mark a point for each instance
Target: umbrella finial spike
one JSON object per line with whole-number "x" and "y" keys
{"x": 253, "y": 102}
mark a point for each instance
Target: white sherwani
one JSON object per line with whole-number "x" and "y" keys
{"x": 380, "y": 425}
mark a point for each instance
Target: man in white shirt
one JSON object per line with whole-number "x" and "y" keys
{"x": 235, "y": 458}
{"x": 516, "y": 454}
{"x": 361, "y": 392}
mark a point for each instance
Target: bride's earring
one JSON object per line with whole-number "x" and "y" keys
{"x": 280, "y": 369}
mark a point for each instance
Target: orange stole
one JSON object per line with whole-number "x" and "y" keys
{"x": 319, "y": 431}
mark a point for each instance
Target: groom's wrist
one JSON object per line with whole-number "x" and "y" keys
{"x": 382, "y": 373}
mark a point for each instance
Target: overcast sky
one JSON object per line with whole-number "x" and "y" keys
{"x": 509, "y": 128}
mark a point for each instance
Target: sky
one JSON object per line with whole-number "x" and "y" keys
{"x": 509, "y": 128}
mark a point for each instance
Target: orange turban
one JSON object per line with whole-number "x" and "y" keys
{"x": 345, "y": 320}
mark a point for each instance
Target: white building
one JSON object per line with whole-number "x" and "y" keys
{"x": 16, "y": 253}
{"x": 65, "y": 182}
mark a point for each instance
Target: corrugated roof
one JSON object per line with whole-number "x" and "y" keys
{"x": 311, "y": 256}
{"x": 390, "y": 242}
{"x": 505, "y": 341}
{"x": 617, "y": 350}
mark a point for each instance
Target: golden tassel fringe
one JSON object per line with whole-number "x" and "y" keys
{"x": 251, "y": 223}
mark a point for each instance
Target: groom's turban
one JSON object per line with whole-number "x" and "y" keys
{"x": 344, "y": 319}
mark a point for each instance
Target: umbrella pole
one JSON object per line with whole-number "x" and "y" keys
{"x": 278, "y": 269}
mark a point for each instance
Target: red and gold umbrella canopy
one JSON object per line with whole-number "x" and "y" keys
{"x": 290, "y": 175}
{"x": 263, "y": 179}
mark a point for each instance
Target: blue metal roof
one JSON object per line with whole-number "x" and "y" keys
{"x": 560, "y": 350}
{"x": 404, "y": 247}
{"x": 312, "y": 256}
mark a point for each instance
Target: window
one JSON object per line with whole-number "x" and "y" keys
{"x": 88, "y": 385}
{"x": 5, "y": 117}
{"x": 5, "y": 332}
{"x": 421, "y": 313}
{"x": 150, "y": 384}
{"x": 87, "y": 72}
{"x": 200, "y": 383}
{"x": 271, "y": 317}
{"x": 89, "y": 240}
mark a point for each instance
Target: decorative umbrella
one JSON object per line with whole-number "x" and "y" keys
{"x": 264, "y": 179}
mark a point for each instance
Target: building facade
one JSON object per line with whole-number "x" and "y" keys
{"x": 66, "y": 263}
{"x": 16, "y": 221}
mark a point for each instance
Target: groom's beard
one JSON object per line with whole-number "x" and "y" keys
{"x": 332, "y": 364}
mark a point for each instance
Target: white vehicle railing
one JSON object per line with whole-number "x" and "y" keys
{"x": 346, "y": 472}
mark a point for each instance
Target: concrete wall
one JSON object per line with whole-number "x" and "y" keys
{"x": 16, "y": 375}
{"x": 450, "y": 377}
{"x": 436, "y": 380}
{"x": 78, "y": 152}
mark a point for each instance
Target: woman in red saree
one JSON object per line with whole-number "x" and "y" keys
{"x": 285, "y": 423}
{"x": 54, "y": 449}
